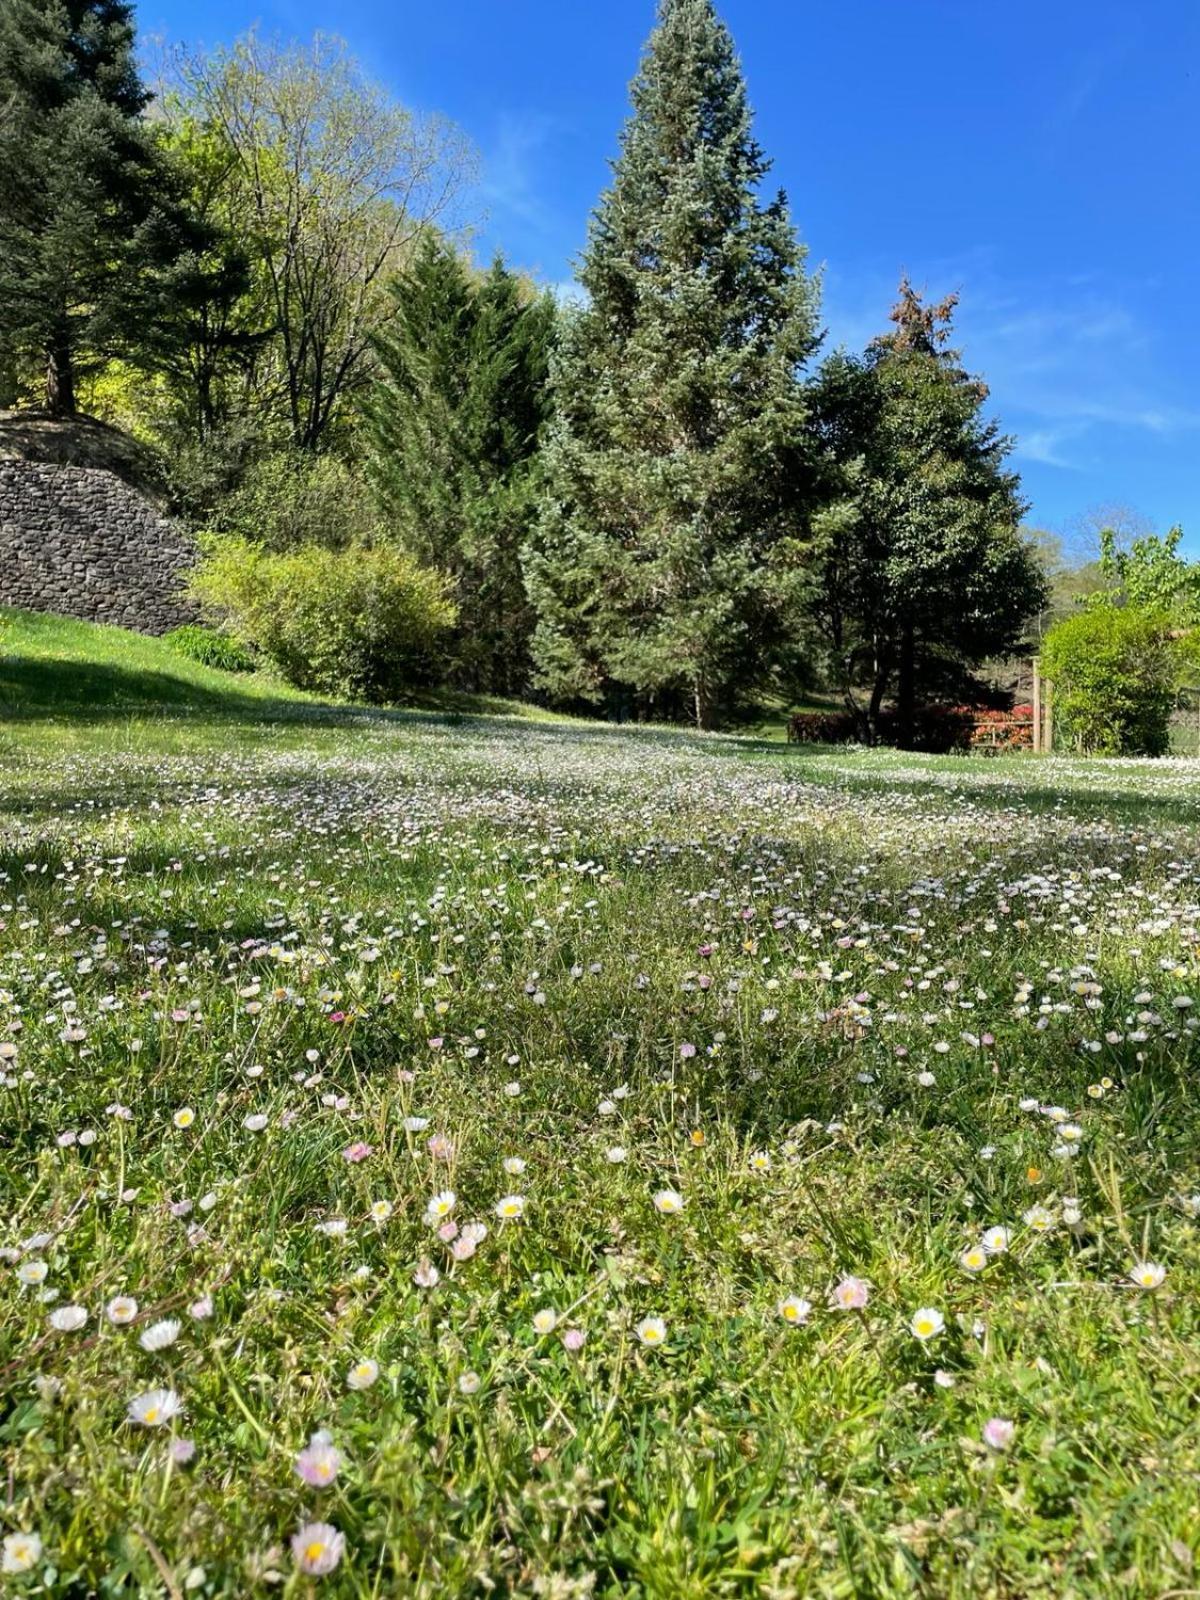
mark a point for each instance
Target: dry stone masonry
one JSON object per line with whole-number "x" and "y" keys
{"x": 81, "y": 542}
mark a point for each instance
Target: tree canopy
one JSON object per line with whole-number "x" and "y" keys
{"x": 670, "y": 541}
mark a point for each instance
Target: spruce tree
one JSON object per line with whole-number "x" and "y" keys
{"x": 924, "y": 572}
{"x": 85, "y": 213}
{"x": 668, "y": 555}
{"x": 455, "y": 425}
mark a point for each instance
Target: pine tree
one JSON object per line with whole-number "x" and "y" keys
{"x": 924, "y": 572}
{"x": 668, "y": 553}
{"x": 85, "y": 218}
{"x": 455, "y": 426}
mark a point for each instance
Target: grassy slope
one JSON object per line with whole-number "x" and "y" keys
{"x": 339, "y": 923}
{"x": 51, "y": 664}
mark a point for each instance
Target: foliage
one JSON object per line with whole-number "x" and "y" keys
{"x": 851, "y": 1040}
{"x": 994, "y": 731}
{"x": 455, "y": 422}
{"x": 210, "y": 648}
{"x": 667, "y": 559}
{"x": 330, "y": 182}
{"x": 1150, "y": 573}
{"x": 1113, "y": 670}
{"x": 291, "y": 498}
{"x": 361, "y": 622}
{"x": 923, "y": 570}
{"x": 92, "y": 220}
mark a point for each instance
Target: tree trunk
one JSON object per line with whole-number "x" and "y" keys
{"x": 883, "y": 676}
{"x": 906, "y": 699}
{"x": 705, "y": 710}
{"x": 60, "y": 374}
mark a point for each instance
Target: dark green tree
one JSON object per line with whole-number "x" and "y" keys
{"x": 87, "y": 214}
{"x": 924, "y": 573}
{"x": 669, "y": 553}
{"x": 455, "y": 424}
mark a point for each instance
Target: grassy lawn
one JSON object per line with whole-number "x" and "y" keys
{"x": 559, "y": 1161}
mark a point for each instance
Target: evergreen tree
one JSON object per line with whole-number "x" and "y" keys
{"x": 668, "y": 556}
{"x": 924, "y": 572}
{"x": 84, "y": 213}
{"x": 455, "y": 425}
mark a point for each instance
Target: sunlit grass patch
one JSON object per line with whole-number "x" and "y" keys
{"x": 541, "y": 1159}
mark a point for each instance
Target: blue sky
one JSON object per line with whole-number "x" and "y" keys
{"x": 1042, "y": 157}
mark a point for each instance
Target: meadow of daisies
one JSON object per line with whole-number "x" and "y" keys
{"x": 495, "y": 1158}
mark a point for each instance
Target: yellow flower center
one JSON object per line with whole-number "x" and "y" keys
{"x": 315, "y": 1550}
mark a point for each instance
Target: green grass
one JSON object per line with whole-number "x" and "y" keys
{"x": 739, "y": 963}
{"x": 55, "y": 664}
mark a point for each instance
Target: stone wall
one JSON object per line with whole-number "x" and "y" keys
{"x": 81, "y": 542}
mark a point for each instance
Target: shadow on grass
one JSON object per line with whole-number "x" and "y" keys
{"x": 91, "y": 693}
{"x": 1106, "y": 801}
{"x": 39, "y": 687}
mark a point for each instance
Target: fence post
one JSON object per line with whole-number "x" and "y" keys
{"x": 1037, "y": 705}
{"x": 1049, "y": 697}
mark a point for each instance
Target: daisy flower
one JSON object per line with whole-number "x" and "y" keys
{"x": 651, "y": 1330}
{"x": 1147, "y": 1274}
{"x": 545, "y": 1320}
{"x": 973, "y": 1259}
{"x": 851, "y": 1294}
{"x": 511, "y": 1207}
{"x": 121, "y": 1310}
{"x": 362, "y": 1374}
{"x": 926, "y": 1323}
{"x": 995, "y": 1241}
{"x": 159, "y": 1335}
{"x": 22, "y": 1551}
{"x": 668, "y": 1201}
{"x": 440, "y": 1205}
{"x": 998, "y": 1433}
{"x": 184, "y": 1117}
{"x": 155, "y": 1408}
{"x": 318, "y": 1462}
{"x": 68, "y": 1319}
{"x": 317, "y": 1548}
{"x": 794, "y": 1310}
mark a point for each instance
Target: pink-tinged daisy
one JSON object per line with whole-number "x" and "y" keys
{"x": 317, "y": 1548}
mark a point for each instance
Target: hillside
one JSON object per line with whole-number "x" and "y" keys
{"x": 51, "y": 664}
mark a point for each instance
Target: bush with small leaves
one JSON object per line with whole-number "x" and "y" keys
{"x": 1113, "y": 669}
{"x": 363, "y": 622}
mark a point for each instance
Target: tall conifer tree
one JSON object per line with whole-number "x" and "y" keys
{"x": 84, "y": 214}
{"x": 667, "y": 557}
{"x": 455, "y": 425}
{"x": 923, "y": 570}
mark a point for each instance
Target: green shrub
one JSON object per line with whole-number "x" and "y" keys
{"x": 290, "y": 498}
{"x": 1113, "y": 670}
{"x": 210, "y": 648}
{"x": 363, "y": 622}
